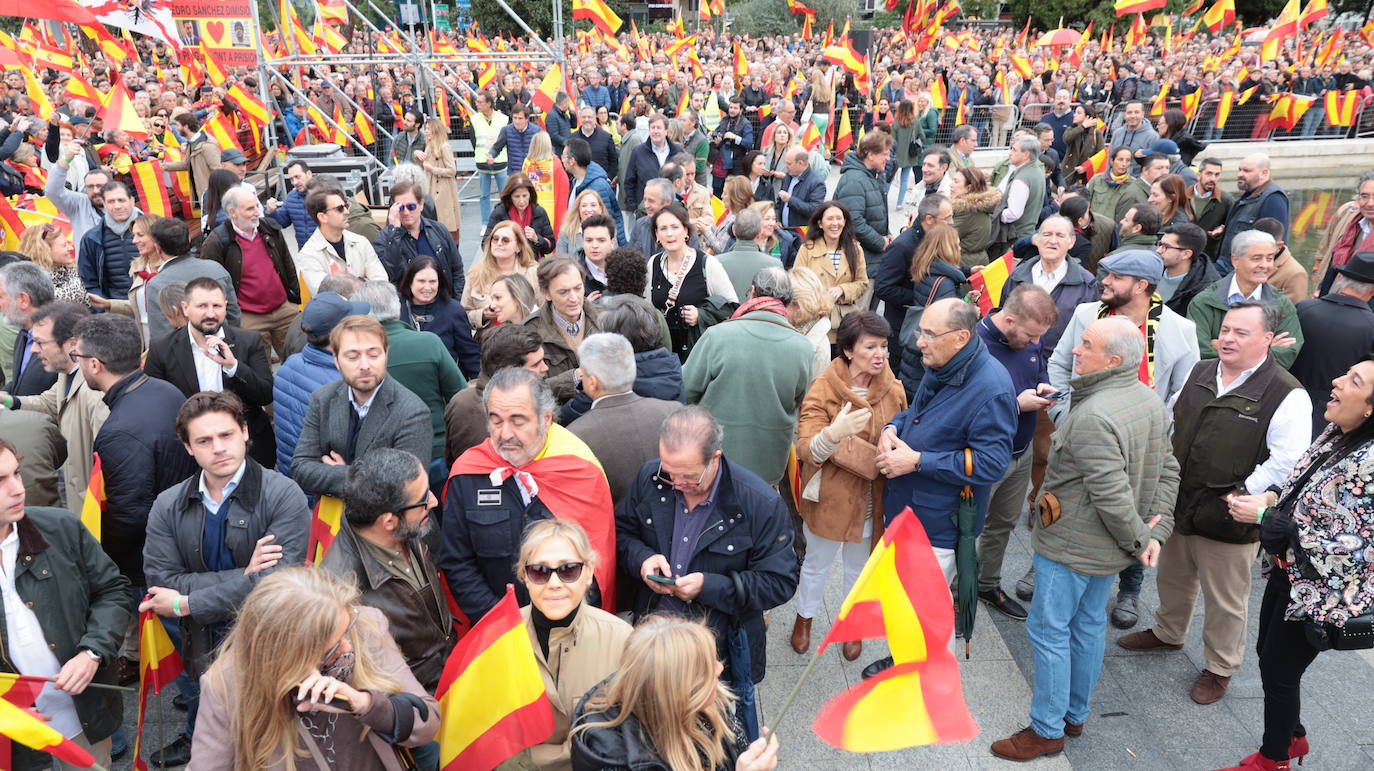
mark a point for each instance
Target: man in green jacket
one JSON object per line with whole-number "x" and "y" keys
{"x": 1252, "y": 253}
{"x": 71, "y": 606}
{"x": 1139, "y": 227}
{"x": 1107, "y": 501}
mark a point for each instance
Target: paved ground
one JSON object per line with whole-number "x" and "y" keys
{"x": 1142, "y": 716}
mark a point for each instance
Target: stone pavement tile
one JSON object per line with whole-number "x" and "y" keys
{"x": 990, "y": 762}
{"x": 941, "y": 756}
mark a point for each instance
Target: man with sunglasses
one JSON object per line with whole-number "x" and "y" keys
{"x": 333, "y": 248}
{"x": 408, "y": 234}
{"x": 212, "y": 537}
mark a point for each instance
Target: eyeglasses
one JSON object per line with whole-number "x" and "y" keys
{"x": 77, "y": 357}
{"x": 667, "y": 478}
{"x": 342, "y": 208}
{"x": 502, "y": 240}
{"x": 333, "y": 651}
{"x": 928, "y": 335}
{"x": 408, "y": 206}
{"x": 540, "y": 574}
{"x": 1161, "y": 246}
{"x": 424, "y": 504}
{"x": 38, "y": 342}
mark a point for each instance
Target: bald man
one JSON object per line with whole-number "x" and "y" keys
{"x": 1259, "y": 197}
{"x": 800, "y": 192}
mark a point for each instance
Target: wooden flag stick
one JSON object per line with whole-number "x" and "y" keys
{"x": 791, "y": 697}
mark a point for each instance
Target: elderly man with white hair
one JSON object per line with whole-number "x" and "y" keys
{"x": 1023, "y": 187}
{"x": 1259, "y": 197}
{"x": 253, "y": 250}
{"x": 1253, "y": 253}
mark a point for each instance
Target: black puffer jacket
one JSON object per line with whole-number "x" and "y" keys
{"x": 625, "y": 746}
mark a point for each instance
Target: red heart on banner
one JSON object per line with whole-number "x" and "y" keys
{"x": 215, "y": 29}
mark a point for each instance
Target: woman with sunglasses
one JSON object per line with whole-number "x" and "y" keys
{"x": 50, "y": 249}
{"x": 505, "y": 252}
{"x": 326, "y": 690}
{"x": 576, "y": 645}
{"x": 666, "y": 708}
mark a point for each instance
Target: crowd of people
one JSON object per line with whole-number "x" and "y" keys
{"x": 696, "y": 358}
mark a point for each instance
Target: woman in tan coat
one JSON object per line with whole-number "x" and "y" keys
{"x": 438, "y": 161}
{"x": 575, "y": 644}
{"x": 832, "y": 253}
{"x": 840, "y": 420}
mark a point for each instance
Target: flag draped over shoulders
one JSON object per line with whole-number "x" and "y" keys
{"x": 568, "y": 480}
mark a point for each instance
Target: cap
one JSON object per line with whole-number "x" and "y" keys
{"x": 1360, "y": 267}
{"x": 326, "y": 309}
{"x": 1164, "y": 147}
{"x": 1140, "y": 263}
{"x": 233, "y": 155}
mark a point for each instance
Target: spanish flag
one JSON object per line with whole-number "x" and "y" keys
{"x": 550, "y": 186}
{"x": 1221, "y": 13}
{"x": 684, "y": 101}
{"x": 548, "y": 88}
{"x": 568, "y": 479}
{"x": 901, "y": 595}
{"x": 1285, "y": 26}
{"x": 844, "y": 139}
{"x": 117, "y": 108}
{"x": 21, "y": 725}
{"x": 492, "y": 700}
{"x": 741, "y": 64}
{"x": 1094, "y": 165}
{"x": 939, "y": 93}
{"x": 324, "y": 526}
{"x": 1124, "y": 7}
{"x": 362, "y": 124}
{"x": 599, "y": 14}
{"x": 1315, "y": 11}
{"x": 991, "y": 279}
{"x": 152, "y": 191}
{"x": 249, "y": 105}
{"x": 1340, "y": 107}
{"x": 1224, "y": 104}
{"x": 158, "y": 666}
{"x": 21, "y": 691}
{"x": 93, "y": 507}
{"x": 218, "y": 126}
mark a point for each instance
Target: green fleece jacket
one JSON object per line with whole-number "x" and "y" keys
{"x": 420, "y": 362}
{"x": 1111, "y": 470}
{"x": 1209, "y": 307}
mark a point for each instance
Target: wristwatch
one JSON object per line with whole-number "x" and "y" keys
{"x": 95, "y": 656}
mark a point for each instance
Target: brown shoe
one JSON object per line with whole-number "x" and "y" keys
{"x": 1141, "y": 642}
{"x": 801, "y": 635}
{"x": 1073, "y": 729}
{"x": 1209, "y": 687}
{"x": 852, "y": 650}
{"x": 1026, "y": 744}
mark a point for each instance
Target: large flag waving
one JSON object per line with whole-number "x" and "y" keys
{"x": 568, "y": 479}
{"x": 151, "y": 17}
{"x": 901, "y": 595}
{"x": 492, "y": 700}
{"x": 20, "y": 725}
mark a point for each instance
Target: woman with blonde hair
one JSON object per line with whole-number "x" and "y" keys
{"x": 834, "y": 254}
{"x": 810, "y": 314}
{"x": 775, "y": 154}
{"x": 50, "y": 249}
{"x": 822, "y": 97}
{"x": 737, "y": 195}
{"x": 141, "y": 270}
{"x": 505, "y": 252}
{"x": 437, "y": 160}
{"x": 587, "y": 203}
{"x": 548, "y": 176}
{"x": 576, "y": 645}
{"x": 510, "y": 300}
{"x": 935, "y": 275}
{"x": 322, "y": 691}
{"x": 666, "y": 708}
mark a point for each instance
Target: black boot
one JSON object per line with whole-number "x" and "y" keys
{"x": 174, "y": 755}
{"x": 877, "y": 667}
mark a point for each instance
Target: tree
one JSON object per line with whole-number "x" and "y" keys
{"x": 763, "y": 17}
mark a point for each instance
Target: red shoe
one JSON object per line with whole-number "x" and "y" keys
{"x": 1298, "y": 748}
{"x": 1258, "y": 762}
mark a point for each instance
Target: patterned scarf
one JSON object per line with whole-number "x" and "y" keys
{"x": 1114, "y": 180}
{"x": 761, "y": 304}
{"x": 1151, "y": 332}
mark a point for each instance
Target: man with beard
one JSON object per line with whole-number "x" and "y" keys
{"x": 379, "y": 549}
{"x": 212, "y": 537}
{"x": 360, "y": 412}
{"x": 1171, "y": 350}
{"x": 1210, "y": 204}
{"x": 1259, "y": 197}
{"x": 209, "y": 355}
{"x": 529, "y": 468}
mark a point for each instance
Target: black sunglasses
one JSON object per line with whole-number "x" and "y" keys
{"x": 567, "y": 573}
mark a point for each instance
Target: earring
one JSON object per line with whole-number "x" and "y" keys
{"x": 1367, "y": 413}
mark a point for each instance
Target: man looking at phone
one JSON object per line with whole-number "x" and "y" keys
{"x": 1013, "y": 336}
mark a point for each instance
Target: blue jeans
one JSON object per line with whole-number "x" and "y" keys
{"x": 487, "y": 177}
{"x": 1132, "y": 578}
{"x": 1067, "y": 628}
{"x": 903, "y": 180}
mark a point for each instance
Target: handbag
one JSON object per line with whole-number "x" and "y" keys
{"x": 857, "y": 456}
{"x": 1356, "y": 635}
{"x": 911, "y": 323}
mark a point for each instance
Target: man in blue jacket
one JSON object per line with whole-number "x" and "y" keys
{"x": 515, "y": 139}
{"x": 1259, "y": 197}
{"x": 107, "y": 248}
{"x": 291, "y": 212}
{"x": 585, "y": 174}
{"x": 965, "y": 401}
{"x": 800, "y": 192}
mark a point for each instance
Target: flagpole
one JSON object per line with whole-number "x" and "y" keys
{"x": 791, "y": 697}
{"x": 101, "y": 685}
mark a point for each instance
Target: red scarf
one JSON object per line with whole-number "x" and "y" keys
{"x": 761, "y": 304}
{"x": 520, "y": 218}
{"x": 1346, "y": 245}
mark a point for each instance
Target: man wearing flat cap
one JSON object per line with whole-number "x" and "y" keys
{"x": 1171, "y": 350}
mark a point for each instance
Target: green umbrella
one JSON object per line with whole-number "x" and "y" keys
{"x": 966, "y": 560}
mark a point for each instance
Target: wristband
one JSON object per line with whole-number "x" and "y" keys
{"x": 9, "y": 401}
{"x": 1259, "y": 515}
{"x": 176, "y": 605}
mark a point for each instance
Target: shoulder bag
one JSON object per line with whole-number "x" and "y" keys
{"x": 911, "y": 323}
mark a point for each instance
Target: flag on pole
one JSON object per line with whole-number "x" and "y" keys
{"x": 901, "y": 595}
{"x": 324, "y": 526}
{"x": 158, "y": 666}
{"x": 1285, "y": 26}
{"x": 152, "y": 190}
{"x": 599, "y": 14}
{"x": 741, "y": 64}
{"x": 219, "y": 127}
{"x": 249, "y": 105}
{"x": 1315, "y": 11}
{"x": 492, "y": 700}
{"x": 1221, "y": 13}
{"x": 117, "y": 110}
{"x": 939, "y": 93}
{"x": 994, "y": 275}
{"x": 548, "y": 87}
{"x": 93, "y": 507}
{"x": 844, "y": 138}
{"x": 1124, "y": 7}
{"x": 811, "y": 136}
{"x": 20, "y": 691}
{"x": 24, "y": 727}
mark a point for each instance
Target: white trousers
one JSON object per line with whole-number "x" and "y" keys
{"x": 815, "y": 569}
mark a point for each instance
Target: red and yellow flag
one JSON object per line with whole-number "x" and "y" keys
{"x": 741, "y": 64}
{"x": 492, "y": 700}
{"x": 548, "y": 88}
{"x": 1340, "y": 107}
{"x": 332, "y": 11}
{"x": 117, "y": 109}
{"x": 21, "y": 691}
{"x": 158, "y": 666}
{"x": 1094, "y": 165}
{"x": 994, "y": 275}
{"x": 1124, "y": 7}
{"x": 362, "y": 124}
{"x": 93, "y": 507}
{"x": 324, "y": 526}
{"x": 249, "y": 105}
{"x": 570, "y": 483}
{"x": 599, "y": 14}
{"x": 21, "y": 725}
{"x": 1315, "y": 11}
{"x": 1221, "y": 13}
{"x": 901, "y": 595}
{"x": 939, "y": 93}
{"x": 152, "y": 191}
{"x": 844, "y": 138}
{"x": 1285, "y": 26}
{"x": 219, "y": 127}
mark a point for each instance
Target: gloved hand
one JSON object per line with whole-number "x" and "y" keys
{"x": 847, "y": 423}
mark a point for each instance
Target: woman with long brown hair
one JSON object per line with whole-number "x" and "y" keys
{"x": 907, "y": 143}
{"x": 519, "y": 205}
{"x": 309, "y": 679}
{"x": 935, "y": 275}
{"x": 666, "y": 708}
{"x": 831, "y": 251}
{"x": 1170, "y": 195}
{"x": 973, "y": 203}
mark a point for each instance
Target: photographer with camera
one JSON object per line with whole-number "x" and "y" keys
{"x": 730, "y": 141}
